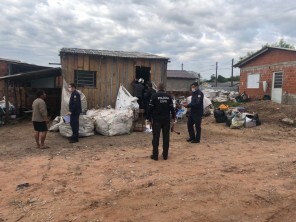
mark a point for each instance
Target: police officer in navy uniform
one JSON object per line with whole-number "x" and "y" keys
{"x": 74, "y": 112}
{"x": 160, "y": 112}
{"x": 196, "y": 113}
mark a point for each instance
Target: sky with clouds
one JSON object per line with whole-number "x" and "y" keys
{"x": 196, "y": 33}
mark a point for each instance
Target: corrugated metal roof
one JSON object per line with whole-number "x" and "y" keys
{"x": 34, "y": 74}
{"x": 256, "y": 54}
{"x": 17, "y": 62}
{"x": 180, "y": 74}
{"x": 121, "y": 54}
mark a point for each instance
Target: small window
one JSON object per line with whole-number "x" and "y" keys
{"x": 278, "y": 80}
{"x": 84, "y": 78}
{"x": 253, "y": 81}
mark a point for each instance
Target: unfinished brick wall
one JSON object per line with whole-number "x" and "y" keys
{"x": 272, "y": 61}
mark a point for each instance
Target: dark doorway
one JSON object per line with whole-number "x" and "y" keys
{"x": 143, "y": 72}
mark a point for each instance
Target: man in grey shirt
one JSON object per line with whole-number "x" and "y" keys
{"x": 40, "y": 119}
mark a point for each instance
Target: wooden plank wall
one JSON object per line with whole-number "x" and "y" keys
{"x": 111, "y": 72}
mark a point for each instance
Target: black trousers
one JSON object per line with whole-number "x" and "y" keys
{"x": 157, "y": 127}
{"x": 194, "y": 120}
{"x": 74, "y": 123}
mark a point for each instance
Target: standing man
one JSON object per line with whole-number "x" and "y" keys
{"x": 196, "y": 113}
{"x": 74, "y": 112}
{"x": 160, "y": 111}
{"x": 138, "y": 91}
{"x": 147, "y": 96}
{"x": 40, "y": 119}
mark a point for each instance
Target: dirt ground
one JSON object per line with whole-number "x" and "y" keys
{"x": 232, "y": 175}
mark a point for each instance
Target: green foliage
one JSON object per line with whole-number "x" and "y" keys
{"x": 222, "y": 78}
{"x": 281, "y": 44}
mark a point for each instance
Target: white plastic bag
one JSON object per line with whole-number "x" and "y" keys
{"x": 66, "y": 98}
{"x": 86, "y": 127}
{"x": 206, "y": 102}
{"x": 238, "y": 121}
{"x": 56, "y": 123}
{"x": 125, "y": 100}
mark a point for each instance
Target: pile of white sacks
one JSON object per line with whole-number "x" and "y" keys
{"x": 220, "y": 95}
{"x": 107, "y": 122}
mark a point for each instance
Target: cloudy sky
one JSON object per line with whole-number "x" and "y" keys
{"x": 196, "y": 33}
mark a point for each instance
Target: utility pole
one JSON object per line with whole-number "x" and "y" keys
{"x": 216, "y": 74}
{"x": 232, "y": 72}
{"x": 182, "y": 66}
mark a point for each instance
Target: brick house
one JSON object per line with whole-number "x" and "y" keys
{"x": 270, "y": 71}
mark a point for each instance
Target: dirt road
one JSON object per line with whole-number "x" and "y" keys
{"x": 233, "y": 175}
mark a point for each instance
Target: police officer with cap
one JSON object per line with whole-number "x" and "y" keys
{"x": 160, "y": 111}
{"x": 195, "y": 116}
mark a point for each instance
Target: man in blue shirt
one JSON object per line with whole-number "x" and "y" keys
{"x": 195, "y": 116}
{"x": 74, "y": 112}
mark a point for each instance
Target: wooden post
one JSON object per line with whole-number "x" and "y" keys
{"x": 21, "y": 99}
{"x": 6, "y": 102}
{"x": 232, "y": 72}
{"x": 15, "y": 99}
{"x": 216, "y": 74}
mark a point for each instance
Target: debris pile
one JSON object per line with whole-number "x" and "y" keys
{"x": 236, "y": 117}
{"x": 220, "y": 95}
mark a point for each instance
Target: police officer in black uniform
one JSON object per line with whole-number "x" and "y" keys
{"x": 195, "y": 115}
{"x": 160, "y": 111}
{"x": 74, "y": 112}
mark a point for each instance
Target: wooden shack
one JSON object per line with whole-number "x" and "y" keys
{"x": 99, "y": 73}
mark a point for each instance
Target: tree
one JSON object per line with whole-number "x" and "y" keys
{"x": 221, "y": 79}
{"x": 213, "y": 78}
{"x": 281, "y": 44}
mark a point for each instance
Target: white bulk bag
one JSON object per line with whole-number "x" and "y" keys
{"x": 114, "y": 122}
{"x": 206, "y": 102}
{"x": 86, "y": 127}
{"x": 125, "y": 100}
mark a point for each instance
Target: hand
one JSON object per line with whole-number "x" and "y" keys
{"x": 185, "y": 105}
{"x": 69, "y": 113}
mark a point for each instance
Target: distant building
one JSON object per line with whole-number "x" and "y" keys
{"x": 179, "y": 81}
{"x": 270, "y": 71}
